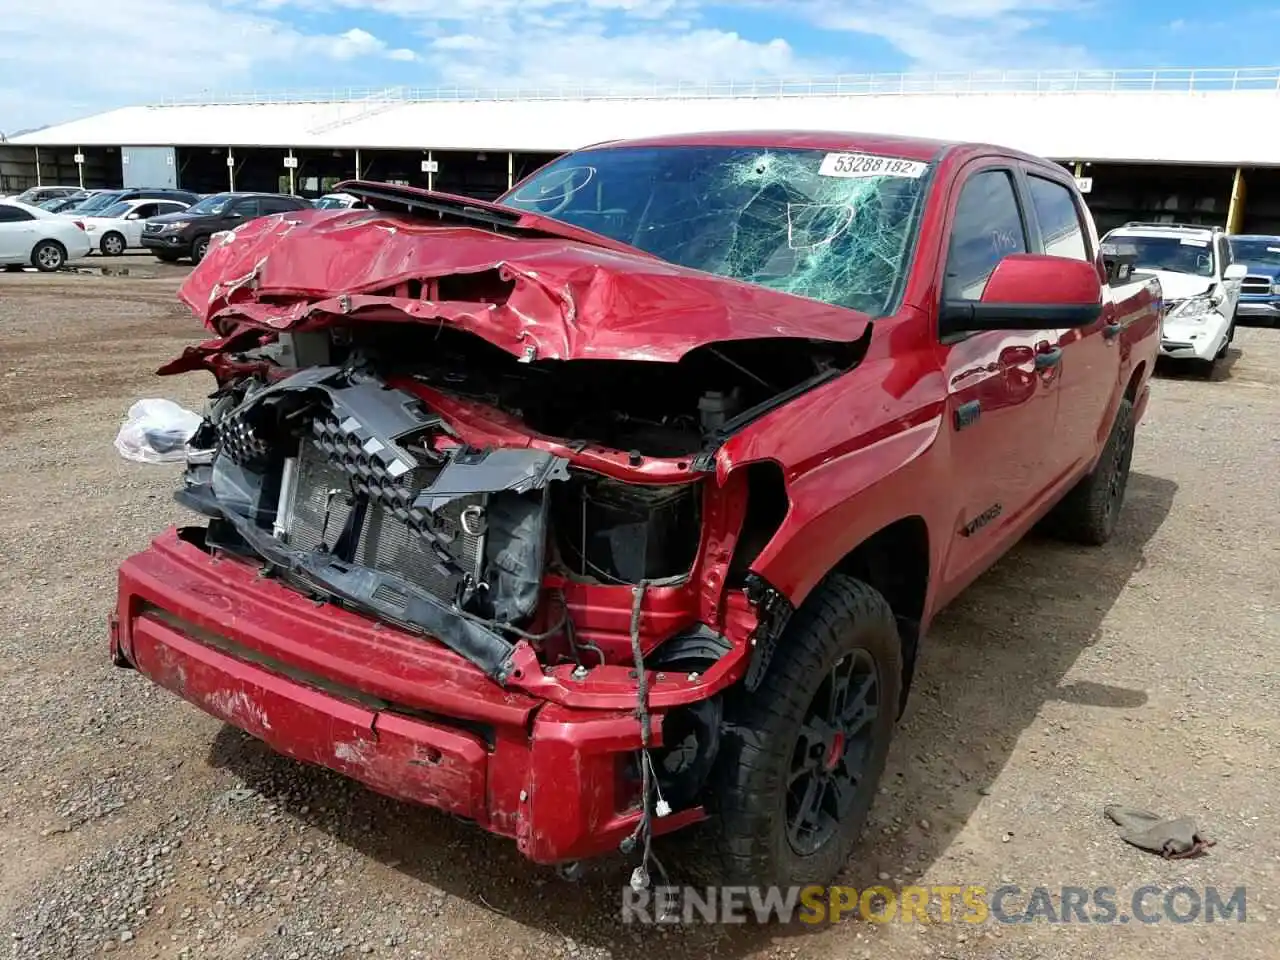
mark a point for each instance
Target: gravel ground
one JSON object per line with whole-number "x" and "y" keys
{"x": 132, "y": 824}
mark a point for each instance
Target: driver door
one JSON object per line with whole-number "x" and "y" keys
{"x": 1002, "y": 397}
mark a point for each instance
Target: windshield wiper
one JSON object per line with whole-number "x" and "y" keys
{"x": 489, "y": 214}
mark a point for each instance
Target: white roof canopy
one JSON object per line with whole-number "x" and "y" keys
{"x": 1190, "y": 117}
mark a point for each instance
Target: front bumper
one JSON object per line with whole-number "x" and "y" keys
{"x": 1194, "y": 341}
{"x": 165, "y": 241}
{"x": 401, "y": 714}
{"x": 1263, "y": 308}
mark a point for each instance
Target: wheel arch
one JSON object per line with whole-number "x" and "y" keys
{"x": 895, "y": 561}
{"x": 31, "y": 258}
{"x": 1135, "y": 381}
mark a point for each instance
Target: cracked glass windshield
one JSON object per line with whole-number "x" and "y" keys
{"x": 829, "y": 226}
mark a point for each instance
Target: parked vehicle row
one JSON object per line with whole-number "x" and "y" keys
{"x": 174, "y": 236}
{"x": 173, "y": 224}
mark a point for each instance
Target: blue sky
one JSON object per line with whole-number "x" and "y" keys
{"x": 70, "y": 58}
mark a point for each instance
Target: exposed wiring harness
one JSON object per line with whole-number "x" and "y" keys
{"x": 643, "y": 834}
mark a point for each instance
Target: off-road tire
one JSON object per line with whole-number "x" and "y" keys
{"x": 199, "y": 247}
{"x": 48, "y": 256}
{"x": 748, "y": 842}
{"x": 114, "y": 240}
{"x": 1089, "y": 512}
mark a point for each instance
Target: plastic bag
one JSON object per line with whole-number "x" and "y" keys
{"x": 156, "y": 431}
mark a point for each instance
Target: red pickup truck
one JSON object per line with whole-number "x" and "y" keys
{"x": 625, "y": 502}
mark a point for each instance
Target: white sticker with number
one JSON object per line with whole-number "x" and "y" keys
{"x": 854, "y": 165}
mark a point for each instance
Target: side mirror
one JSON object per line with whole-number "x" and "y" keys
{"x": 133, "y": 216}
{"x": 1028, "y": 291}
{"x": 1237, "y": 271}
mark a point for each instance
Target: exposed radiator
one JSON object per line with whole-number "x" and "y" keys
{"x": 434, "y": 556}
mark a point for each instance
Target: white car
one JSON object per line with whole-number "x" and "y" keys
{"x": 119, "y": 227}
{"x": 1201, "y": 285}
{"x": 35, "y": 237}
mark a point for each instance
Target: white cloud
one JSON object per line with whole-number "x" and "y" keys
{"x": 353, "y": 43}
{"x": 67, "y": 59}
{"x": 190, "y": 46}
{"x": 597, "y": 57}
{"x": 953, "y": 34}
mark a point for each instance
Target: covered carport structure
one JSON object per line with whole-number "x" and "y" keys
{"x": 1101, "y": 124}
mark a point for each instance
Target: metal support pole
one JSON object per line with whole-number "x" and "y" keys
{"x": 80, "y": 165}
{"x": 231, "y": 170}
{"x": 293, "y": 171}
{"x": 1079, "y": 169}
{"x": 1235, "y": 212}
{"x": 431, "y": 177}
{"x": 358, "y": 171}
{"x": 38, "y": 183}
{"x": 511, "y": 170}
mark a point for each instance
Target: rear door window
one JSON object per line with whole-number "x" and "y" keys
{"x": 1059, "y": 219}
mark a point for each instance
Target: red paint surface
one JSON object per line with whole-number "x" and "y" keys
{"x": 868, "y": 449}
{"x": 567, "y": 300}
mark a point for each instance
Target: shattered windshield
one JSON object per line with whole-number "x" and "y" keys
{"x": 834, "y": 227}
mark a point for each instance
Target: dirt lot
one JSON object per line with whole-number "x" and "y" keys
{"x": 1144, "y": 673}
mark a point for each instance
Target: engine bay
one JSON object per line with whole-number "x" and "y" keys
{"x": 649, "y": 408}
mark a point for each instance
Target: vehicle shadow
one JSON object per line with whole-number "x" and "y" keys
{"x": 991, "y": 662}
{"x": 1171, "y": 369}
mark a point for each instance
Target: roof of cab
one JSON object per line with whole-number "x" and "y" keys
{"x": 909, "y": 148}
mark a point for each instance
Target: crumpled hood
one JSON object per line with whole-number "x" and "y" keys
{"x": 563, "y": 299}
{"x": 1180, "y": 286}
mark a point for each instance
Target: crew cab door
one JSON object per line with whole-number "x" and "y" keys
{"x": 1001, "y": 385}
{"x": 1090, "y": 364}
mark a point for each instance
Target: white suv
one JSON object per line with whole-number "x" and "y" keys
{"x": 1201, "y": 285}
